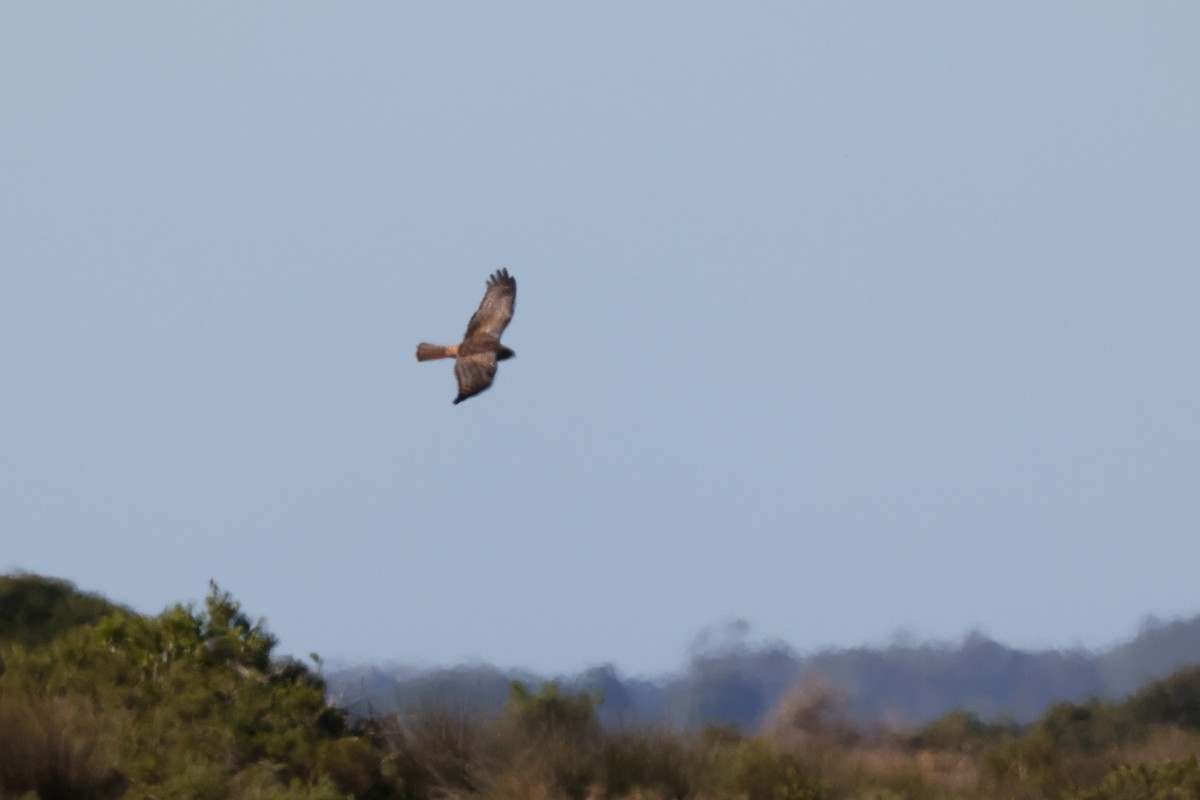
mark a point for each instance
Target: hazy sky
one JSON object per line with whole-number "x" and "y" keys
{"x": 841, "y": 318}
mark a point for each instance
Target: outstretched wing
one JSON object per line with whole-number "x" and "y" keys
{"x": 474, "y": 374}
{"x": 493, "y": 314}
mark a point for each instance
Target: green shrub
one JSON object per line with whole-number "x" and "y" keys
{"x": 263, "y": 782}
{"x": 755, "y": 770}
{"x": 206, "y": 781}
{"x": 649, "y": 760}
{"x": 351, "y": 762}
{"x": 1174, "y": 700}
{"x": 35, "y": 610}
{"x": 1176, "y": 780}
{"x": 1090, "y": 729}
{"x": 548, "y": 734}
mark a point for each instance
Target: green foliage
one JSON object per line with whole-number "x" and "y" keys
{"x": 550, "y": 716}
{"x": 760, "y": 772}
{"x": 1089, "y": 729}
{"x": 551, "y": 733}
{"x": 1035, "y": 767}
{"x": 1177, "y": 780}
{"x": 1175, "y": 700}
{"x": 352, "y": 763}
{"x": 1028, "y": 767}
{"x": 98, "y": 702}
{"x": 264, "y": 782}
{"x": 960, "y": 731}
{"x": 34, "y": 610}
{"x": 179, "y": 704}
{"x": 645, "y": 760}
{"x": 201, "y": 781}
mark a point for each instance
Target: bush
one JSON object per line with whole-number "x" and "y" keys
{"x": 1177, "y": 780}
{"x": 1088, "y": 729}
{"x": 58, "y": 747}
{"x": 35, "y": 610}
{"x": 352, "y": 763}
{"x": 262, "y": 782}
{"x": 649, "y": 760}
{"x": 169, "y": 704}
{"x": 767, "y": 774}
{"x": 755, "y": 770}
{"x": 1175, "y": 700}
{"x": 960, "y": 732}
{"x": 547, "y": 737}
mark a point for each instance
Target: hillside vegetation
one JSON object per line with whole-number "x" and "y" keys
{"x": 99, "y": 702}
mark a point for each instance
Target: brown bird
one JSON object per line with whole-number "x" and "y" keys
{"x": 475, "y": 358}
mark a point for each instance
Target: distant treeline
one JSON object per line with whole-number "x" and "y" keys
{"x": 739, "y": 684}
{"x": 102, "y": 703}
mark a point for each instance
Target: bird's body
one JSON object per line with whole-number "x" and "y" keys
{"x": 475, "y": 358}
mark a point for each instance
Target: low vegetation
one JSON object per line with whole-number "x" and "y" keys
{"x": 99, "y": 702}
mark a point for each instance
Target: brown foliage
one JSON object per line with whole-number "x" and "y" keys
{"x": 58, "y": 747}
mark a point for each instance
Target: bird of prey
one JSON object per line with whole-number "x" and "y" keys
{"x": 475, "y": 358}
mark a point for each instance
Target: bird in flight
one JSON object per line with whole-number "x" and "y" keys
{"x": 475, "y": 358}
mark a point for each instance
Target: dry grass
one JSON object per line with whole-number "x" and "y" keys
{"x": 59, "y": 747}
{"x": 1166, "y": 744}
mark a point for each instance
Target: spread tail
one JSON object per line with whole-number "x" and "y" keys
{"x": 428, "y": 352}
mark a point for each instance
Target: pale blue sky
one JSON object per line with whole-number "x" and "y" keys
{"x": 842, "y": 318}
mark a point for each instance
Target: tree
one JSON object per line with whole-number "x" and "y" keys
{"x": 34, "y": 609}
{"x": 1174, "y": 700}
{"x": 188, "y": 696}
